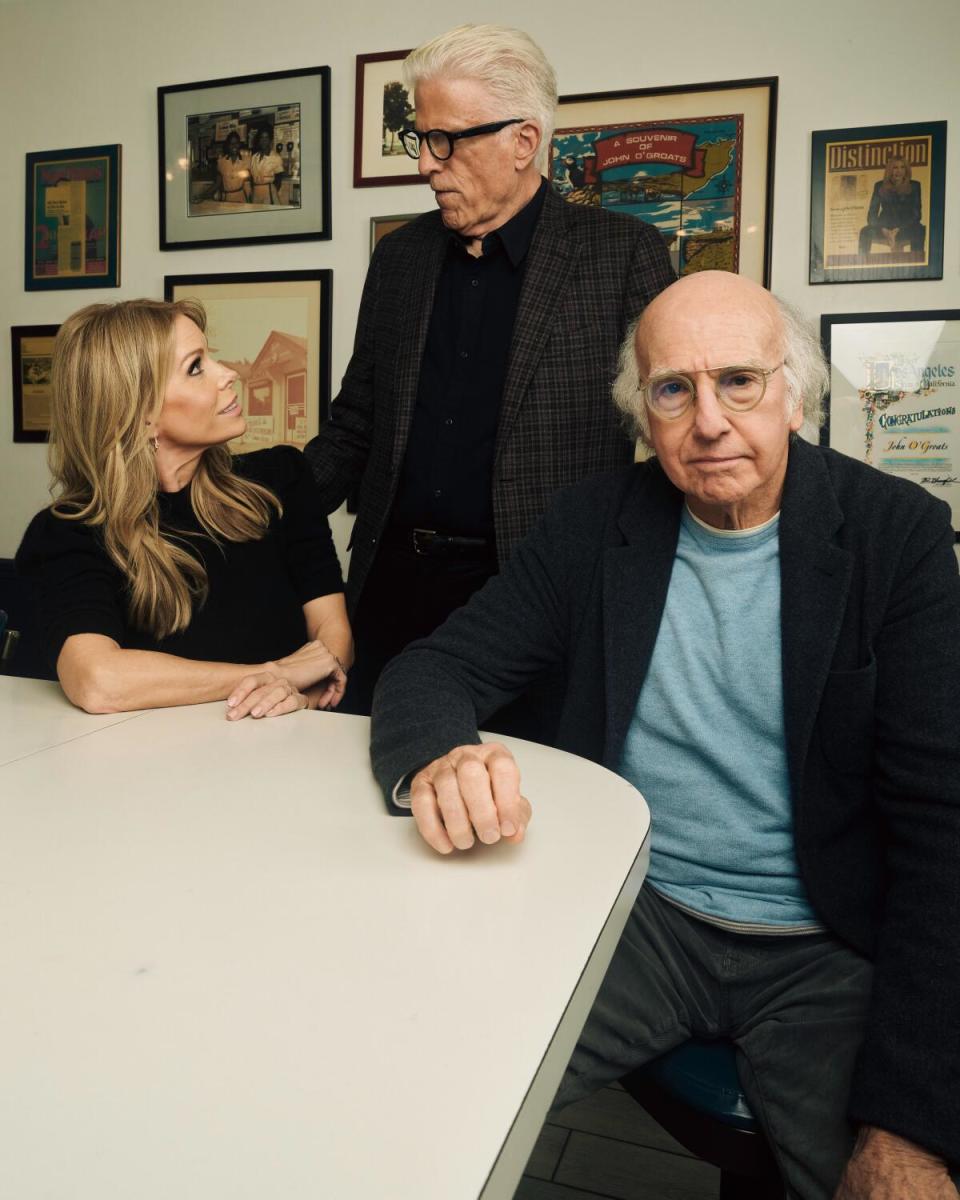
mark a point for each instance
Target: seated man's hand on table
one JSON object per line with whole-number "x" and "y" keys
{"x": 471, "y": 792}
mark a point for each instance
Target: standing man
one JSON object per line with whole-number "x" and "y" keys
{"x": 485, "y": 346}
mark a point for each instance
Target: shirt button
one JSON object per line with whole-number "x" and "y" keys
{"x": 474, "y": 282}
{"x": 464, "y": 354}
{"x": 437, "y": 494}
{"x": 448, "y": 421}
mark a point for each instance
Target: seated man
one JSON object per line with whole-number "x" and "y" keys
{"x": 764, "y": 637}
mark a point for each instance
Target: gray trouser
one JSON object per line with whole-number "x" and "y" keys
{"x": 793, "y": 1005}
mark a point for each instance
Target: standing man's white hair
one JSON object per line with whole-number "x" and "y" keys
{"x": 508, "y": 62}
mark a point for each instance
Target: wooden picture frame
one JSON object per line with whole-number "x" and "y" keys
{"x": 245, "y": 159}
{"x": 381, "y": 226}
{"x": 895, "y": 395}
{"x": 861, "y": 181}
{"x": 72, "y": 237}
{"x": 273, "y": 329}
{"x": 31, "y": 351}
{"x": 695, "y": 160}
{"x": 378, "y": 158}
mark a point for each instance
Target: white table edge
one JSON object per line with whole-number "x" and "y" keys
{"x": 506, "y": 1171}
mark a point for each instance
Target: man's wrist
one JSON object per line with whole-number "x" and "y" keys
{"x": 881, "y": 1143}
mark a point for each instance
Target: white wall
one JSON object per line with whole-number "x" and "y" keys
{"x": 75, "y": 74}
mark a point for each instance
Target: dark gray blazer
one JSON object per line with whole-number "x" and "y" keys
{"x": 871, "y": 678}
{"x": 588, "y": 273}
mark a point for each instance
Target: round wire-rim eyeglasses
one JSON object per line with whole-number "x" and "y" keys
{"x": 440, "y": 142}
{"x": 739, "y": 389}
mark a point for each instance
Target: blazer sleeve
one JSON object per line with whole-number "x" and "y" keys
{"x": 436, "y": 694}
{"x": 338, "y": 454}
{"x": 908, "y": 1074}
{"x": 650, "y": 271}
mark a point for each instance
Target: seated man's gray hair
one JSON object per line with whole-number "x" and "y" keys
{"x": 805, "y": 371}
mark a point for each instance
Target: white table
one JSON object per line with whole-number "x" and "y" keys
{"x": 228, "y": 974}
{"x": 35, "y": 715}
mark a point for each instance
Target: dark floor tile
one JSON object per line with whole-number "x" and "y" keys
{"x": 626, "y": 1172}
{"x": 546, "y": 1153}
{"x": 611, "y": 1112}
{"x": 541, "y": 1189}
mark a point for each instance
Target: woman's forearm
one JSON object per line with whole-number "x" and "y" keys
{"x": 99, "y": 676}
{"x": 327, "y": 622}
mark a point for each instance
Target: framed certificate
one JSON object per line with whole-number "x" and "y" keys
{"x": 895, "y": 395}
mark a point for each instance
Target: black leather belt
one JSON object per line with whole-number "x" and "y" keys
{"x": 428, "y": 543}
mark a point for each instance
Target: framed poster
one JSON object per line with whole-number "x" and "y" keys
{"x": 245, "y": 159}
{"x": 895, "y": 395}
{"x": 73, "y": 219}
{"x": 273, "y": 329}
{"x": 383, "y": 108}
{"x": 381, "y": 226}
{"x": 31, "y": 355}
{"x": 876, "y": 203}
{"x": 696, "y": 161}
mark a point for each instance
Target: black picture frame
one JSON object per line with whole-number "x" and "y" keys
{"x": 847, "y": 171}
{"x": 279, "y": 338}
{"x": 894, "y": 399}
{"x": 31, "y": 349}
{"x": 64, "y": 190}
{"x": 290, "y": 199}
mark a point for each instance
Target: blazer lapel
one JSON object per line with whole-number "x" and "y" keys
{"x": 635, "y": 582}
{"x": 548, "y": 266}
{"x": 815, "y": 577}
{"x": 419, "y": 286}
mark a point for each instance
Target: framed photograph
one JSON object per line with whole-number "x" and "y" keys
{"x": 895, "y": 395}
{"x": 31, "y": 355}
{"x": 383, "y": 108}
{"x": 696, "y": 161}
{"x": 73, "y": 219}
{"x": 876, "y": 203}
{"x": 273, "y": 329}
{"x": 381, "y": 226}
{"x": 245, "y": 160}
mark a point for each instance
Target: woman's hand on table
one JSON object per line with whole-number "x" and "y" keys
{"x": 311, "y": 677}
{"x": 470, "y": 792}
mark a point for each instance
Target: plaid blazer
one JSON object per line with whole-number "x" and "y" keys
{"x": 588, "y": 273}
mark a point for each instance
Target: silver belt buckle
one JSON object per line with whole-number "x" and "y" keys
{"x": 416, "y": 544}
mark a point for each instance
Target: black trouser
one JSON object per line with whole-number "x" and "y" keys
{"x": 794, "y": 1006}
{"x": 406, "y": 596}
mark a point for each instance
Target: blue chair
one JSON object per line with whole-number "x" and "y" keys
{"x": 694, "y": 1093}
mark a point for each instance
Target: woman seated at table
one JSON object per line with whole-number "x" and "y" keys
{"x": 167, "y": 570}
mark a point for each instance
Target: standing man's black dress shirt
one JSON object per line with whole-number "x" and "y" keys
{"x": 446, "y": 479}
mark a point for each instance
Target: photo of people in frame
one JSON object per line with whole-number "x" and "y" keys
{"x": 247, "y": 160}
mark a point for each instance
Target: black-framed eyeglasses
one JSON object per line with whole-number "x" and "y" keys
{"x": 739, "y": 389}
{"x": 440, "y": 141}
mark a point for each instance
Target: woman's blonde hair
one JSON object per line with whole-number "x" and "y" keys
{"x": 903, "y": 187}
{"x": 111, "y": 363}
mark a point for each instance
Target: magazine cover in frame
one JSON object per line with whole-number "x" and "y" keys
{"x": 895, "y": 395}
{"x": 695, "y": 161}
{"x": 876, "y": 203}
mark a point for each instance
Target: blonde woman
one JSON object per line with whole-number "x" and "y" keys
{"x": 167, "y": 570}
